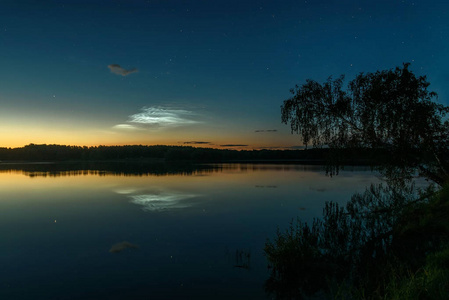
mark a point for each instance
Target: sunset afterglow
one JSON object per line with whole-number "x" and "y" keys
{"x": 198, "y": 73}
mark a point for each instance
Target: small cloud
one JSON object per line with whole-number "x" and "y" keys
{"x": 119, "y": 247}
{"x": 266, "y": 130}
{"x": 271, "y": 148}
{"x": 233, "y": 145}
{"x": 163, "y": 117}
{"x": 117, "y": 69}
{"x": 196, "y": 143}
{"x": 126, "y": 127}
{"x": 281, "y": 148}
{"x": 125, "y": 191}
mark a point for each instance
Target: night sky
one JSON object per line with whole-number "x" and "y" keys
{"x": 206, "y": 73}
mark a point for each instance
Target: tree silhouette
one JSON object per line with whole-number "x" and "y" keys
{"x": 390, "y": 111}
{"x": 390, "y": 228}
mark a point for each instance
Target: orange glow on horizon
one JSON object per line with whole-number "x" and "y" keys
{"x": 93, "y": 141}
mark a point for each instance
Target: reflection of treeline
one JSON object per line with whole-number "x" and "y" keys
{"x": 34, "y": 152}
{"x": 105, "y": 168}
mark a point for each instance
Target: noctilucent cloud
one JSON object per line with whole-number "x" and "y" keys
{"x": 197, "y": 73}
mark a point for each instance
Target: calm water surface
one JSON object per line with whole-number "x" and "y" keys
{"x": 193, "y": 229}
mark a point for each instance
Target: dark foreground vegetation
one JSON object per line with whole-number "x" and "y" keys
{"x": 392, "y": 241}
{"x": 60, "y": 153}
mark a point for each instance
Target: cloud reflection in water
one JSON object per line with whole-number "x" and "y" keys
{"x": 162, "y": 201}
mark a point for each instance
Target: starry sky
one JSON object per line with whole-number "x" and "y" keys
{"x": 210, "y": 73}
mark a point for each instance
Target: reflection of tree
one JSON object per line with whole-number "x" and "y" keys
{"x": 388, "y": 229}
{"x": 110, "y": 169}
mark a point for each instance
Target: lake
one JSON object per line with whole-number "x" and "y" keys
{"x": 134, "y": 231}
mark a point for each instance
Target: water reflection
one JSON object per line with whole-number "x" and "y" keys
{"x": 157, "y": 199}
{"x": 266, "y": 186}
{"x": 119, "y": 247}
{"x": 107, "y": 168}
{"x": 134, "y": 168}
{"x": 162, "y": 201}
{"x": 182, "y": 253}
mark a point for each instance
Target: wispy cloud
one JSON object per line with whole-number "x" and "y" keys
{"x": 126, "y": 127}
{"x": 282, "y": 148}
{"x": 266, "y": 130}
{"x": 196, "y": 143}
{"x": 117, "y": 69}
{"x": 159, "y": 117}
{"x": 233, "y": 145}
{"x": 163, "y": 117}
{"x": 271, "y": 148}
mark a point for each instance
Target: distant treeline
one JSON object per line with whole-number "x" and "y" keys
{"x": 33, "y": 152}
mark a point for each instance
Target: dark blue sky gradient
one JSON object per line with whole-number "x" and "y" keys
{"x": 228, "y": 65}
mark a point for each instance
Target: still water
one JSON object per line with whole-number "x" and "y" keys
{"x": 115, "y": 233}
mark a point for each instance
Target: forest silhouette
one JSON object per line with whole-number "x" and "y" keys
{"x": 161, "y": 153}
